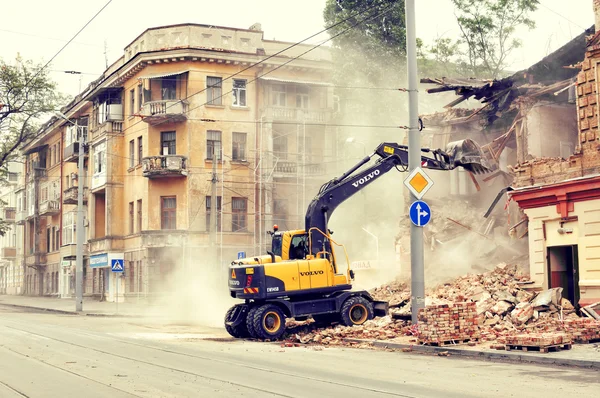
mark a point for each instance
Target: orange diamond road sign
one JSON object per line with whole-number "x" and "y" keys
{"x": 418, "y": 183}
{"x": 232, "y": 274}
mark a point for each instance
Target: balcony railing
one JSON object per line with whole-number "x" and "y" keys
{"x": 9, "y": 214}
{"x": 72, "y": 152}
{"x": 295, "y": 168}
{"x": 106, "y": 244}
{"x": 8, "y": 252}
{"x": 36, "y": 259}
{"x": 164, "y": 166}
{"x": 70, "y": 195}
{"x": 299, "y": 115}
{"x": 49, "y": 207}
{"x": 155, "y": 112}
{"x": 108, "y": 127}
{"x": 20, "y": 217}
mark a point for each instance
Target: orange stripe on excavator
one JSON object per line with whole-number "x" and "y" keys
{"x": 250, "y": 290}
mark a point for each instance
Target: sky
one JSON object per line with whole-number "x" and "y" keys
{"x": 37, "y": 29}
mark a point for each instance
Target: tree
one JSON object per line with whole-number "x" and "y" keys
{"x": 488, "y": 29}
{"x": 27, "y": 94}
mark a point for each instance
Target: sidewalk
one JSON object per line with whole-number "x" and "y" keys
{"x": 580, "y": 355}
{"x": 90, "y": 307}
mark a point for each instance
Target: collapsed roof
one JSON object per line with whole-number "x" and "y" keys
{"x": 551, "y": 75}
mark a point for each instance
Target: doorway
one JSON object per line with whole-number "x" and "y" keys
{"x": 563, "y": 271}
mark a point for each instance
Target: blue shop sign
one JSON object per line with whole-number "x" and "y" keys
{"x": 99, "y": 260}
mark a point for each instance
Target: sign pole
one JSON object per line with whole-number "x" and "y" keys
{"x": 117, "y": 279}
{"x": 417, "y": 287}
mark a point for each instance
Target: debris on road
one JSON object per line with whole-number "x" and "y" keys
{"x": 447, "y": 323}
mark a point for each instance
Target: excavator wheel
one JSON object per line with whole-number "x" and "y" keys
{"x": 250, "y": 322}
{"x": 239, "y": 331}
{"x": 269, "y": 322}
{"x": 356, "y": 311}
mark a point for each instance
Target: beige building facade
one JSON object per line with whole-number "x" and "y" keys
{"x": 189, "y": 111}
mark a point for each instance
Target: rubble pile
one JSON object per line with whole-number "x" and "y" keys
{"x": 582, "y": 330}
{"x": 384, "y": 328}
{"x": 446, "y": 323}
{"x": 536, "y": 339}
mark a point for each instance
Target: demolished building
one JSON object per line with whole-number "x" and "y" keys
{"x": 539, "y": 128}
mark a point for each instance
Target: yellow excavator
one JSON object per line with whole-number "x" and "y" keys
{"x": 299, "y": 277}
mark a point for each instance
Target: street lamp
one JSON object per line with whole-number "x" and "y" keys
{"x": 79, "y": 225}
{"x": 376, "y": 243}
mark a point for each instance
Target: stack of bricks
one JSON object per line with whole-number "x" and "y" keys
{"x": 536, "y": 339}
{"x": 448, "y": 323}
{"x": 582, "y": 330}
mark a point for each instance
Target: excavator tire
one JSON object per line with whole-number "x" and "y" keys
{"x": 250, "y": 322}
{"x": 240, "y": 331}
{"x": 269, "y": 322}
{"x": 356, "y": 311}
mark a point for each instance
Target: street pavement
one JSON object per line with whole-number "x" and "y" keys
{"x": 60, "y": 355}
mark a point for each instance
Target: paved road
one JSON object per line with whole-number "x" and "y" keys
{"x": 49, "y": 355}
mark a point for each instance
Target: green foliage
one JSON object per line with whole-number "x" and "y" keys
{"x": 26, "y": 96}
{"x": 488, "y": 30}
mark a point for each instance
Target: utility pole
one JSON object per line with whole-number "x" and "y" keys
{"x": 80, "y": 231}
{"x": 417, "y": 273}
{"x": 213, "y": 201}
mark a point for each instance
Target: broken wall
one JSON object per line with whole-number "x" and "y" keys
{"x": 551, "y": 130}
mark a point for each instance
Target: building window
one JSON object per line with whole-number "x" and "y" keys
{"x": 131, "y": 102}
{"x": 57, "y": 238}
{"x": 169, "y": 88}
{"x": 213, "y": 90}
{"x": 280, "y": 145}
{"x": 302, "y": 95}
{"x": 239, "y": 214}
{"x": 131, "y": 276}
{"x": 48, "y": 240}
{"x": 131, "y": 214}
{"x": 239, "y": 92}
{"x": 213, "y": 144}
{"x": 139, "y": 215}
{"x": 69, "y": 236}
{"x": 140, "y": 149}
{"x": 168, "y": 143}
{"x": 278, "y": 94}
{"x": 131, "y": 153}
{"x": 208, "y": 209}
{"x": 100, "y": 158}
{"x": 238, "y": 150}
{"x": 140, "y": 96}
{"x": 168, "y": 207}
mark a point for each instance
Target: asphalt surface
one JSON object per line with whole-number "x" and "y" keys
{"x": 52, "y": 355}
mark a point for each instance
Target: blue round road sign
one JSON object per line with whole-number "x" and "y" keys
{"x": 419, "y": 213}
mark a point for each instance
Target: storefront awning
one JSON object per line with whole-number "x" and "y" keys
{"x": 159, "y": 75}
{"x": 291, "y": 81}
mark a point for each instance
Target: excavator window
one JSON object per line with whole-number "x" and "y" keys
{"x": 276, "y": 243}
{"x": 298, "y": 247}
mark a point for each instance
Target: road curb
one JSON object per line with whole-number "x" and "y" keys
{"x": 492, "y": 356}
{"x": 64, "y": 312}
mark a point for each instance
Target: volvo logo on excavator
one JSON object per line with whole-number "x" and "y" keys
{"x": 310, "y": 273}
{"x": 366, "y": 178}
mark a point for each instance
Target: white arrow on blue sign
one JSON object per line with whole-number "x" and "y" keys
{"x": 420, "y": 213}
{"x": 117, "y": 265}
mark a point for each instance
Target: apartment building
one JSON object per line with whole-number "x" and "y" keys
{"x": 186, "y": 111}
{"x": 11, "y": 268}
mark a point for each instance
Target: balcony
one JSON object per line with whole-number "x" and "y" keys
{"x": 20, "y": 217}
{"x": 163, "y": 238}
{"x": 298, "y": 115}
{"x": 108, "y": 127}
{"x": 9, "y": 214}
{"x": 70, "y": 195}
{"x": 36, "y": 260}
{"x": 164, "y": 166}
{"x": 106, "y": 244}
{"x": 49, "y": 208}
{"x": 71, "y": 153}
{"x": 293, "y": 169}
{"x": 69, "y": 252}
{"x": 8, "y": 252}
{"x": 155, "y": 112}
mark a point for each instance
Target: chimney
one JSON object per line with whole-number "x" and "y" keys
{"x": 597, "y": 15}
